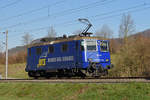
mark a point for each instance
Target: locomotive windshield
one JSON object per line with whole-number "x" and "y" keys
{"x": 89, "y": 45}
{"x": 104, "y": 46}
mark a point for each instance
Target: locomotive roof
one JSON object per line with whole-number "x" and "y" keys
{"x": 46, "y": 41}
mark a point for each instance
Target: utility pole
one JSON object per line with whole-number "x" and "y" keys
{"x": 6, "y": 43}
{"x": 6, "y": 54}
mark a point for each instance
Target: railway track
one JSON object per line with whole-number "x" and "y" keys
{"x": 79, "y": 80}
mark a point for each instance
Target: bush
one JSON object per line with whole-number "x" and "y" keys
{"x": 133, "y": 59}
{"x": 19, "y": 57}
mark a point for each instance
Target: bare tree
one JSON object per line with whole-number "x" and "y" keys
{"x": 1, "y": 47}
{"x": 52, "y": 32}
{"x": 104, "y": 32}
{"x": 126, "y": 27}
{"x": 27, "y": 39}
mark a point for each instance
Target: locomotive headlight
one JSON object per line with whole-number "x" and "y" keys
{"x": 90, "y": 59}
{"x": 107, "y": 60}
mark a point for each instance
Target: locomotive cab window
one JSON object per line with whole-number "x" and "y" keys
{"x": 91, "y": 45}
{"x": 64, "y": 48}
{"x": 51, "y": 49}
{"x": 104, "y": 46}
{"x": 38, "y": 51}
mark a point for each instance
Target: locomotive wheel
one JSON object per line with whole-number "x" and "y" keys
{"x": 30, "y": 74}
{"x": 47, "y": 77}
{"x": 36, "y": 77}
{"x": 105, "y": 72}
{"x": 42, "y": 73}
{"x": 33, "y": 74}
{"x": 60, "y": 73}
{"x": 82, "y": 73}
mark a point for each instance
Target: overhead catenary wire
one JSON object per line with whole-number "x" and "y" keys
{"x": 32, "y": 11}
{"x": 10, "y": 4}
{"x": 98, "y": 15}
{"x": 47, "y": 6}
{"x": 71, "y": 22}
{"x": 61, "y": 14}
{"x": 87, "y": 6}
{"x": 124, "y": 9}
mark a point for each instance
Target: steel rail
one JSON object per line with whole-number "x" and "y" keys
{"x": 79, "y": 80}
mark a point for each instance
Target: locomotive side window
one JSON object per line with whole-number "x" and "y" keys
{"x": 104, "y": 46}
{"x": 64, "y": 47}
{"x": 51, "y": 49}
{"x": 38, "y": 51}
{"x": 76, "y": 45}
{"x": 29, "y": 51}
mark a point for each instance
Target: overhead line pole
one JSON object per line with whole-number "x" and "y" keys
{"x": 6, "y": 76}
{"x": 6, "y": 54}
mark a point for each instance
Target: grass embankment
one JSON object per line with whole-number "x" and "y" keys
{"x": 14, "y": 70}
{"x": 45, "y": 91}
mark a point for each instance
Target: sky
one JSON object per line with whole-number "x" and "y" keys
{"x": 36, "y": 16}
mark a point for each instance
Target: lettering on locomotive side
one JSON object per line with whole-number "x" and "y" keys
{"x": 59, "y": 59}
{"x": 42, "y": 62}
{"x": 67, "y": 58}
{"x": 51, "y": 59}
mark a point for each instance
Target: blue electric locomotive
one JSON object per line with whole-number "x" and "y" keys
{"x": 79, "y": 55}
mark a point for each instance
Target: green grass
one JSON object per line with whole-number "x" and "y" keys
{"x": 14, "y": 70}
{"x": 66, "y": 91}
